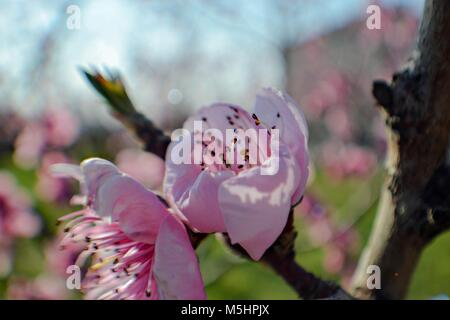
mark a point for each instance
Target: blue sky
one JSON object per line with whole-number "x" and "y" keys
{"x": 207, "y": 50}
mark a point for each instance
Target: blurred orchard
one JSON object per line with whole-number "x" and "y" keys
{"x": 177, "y": 57}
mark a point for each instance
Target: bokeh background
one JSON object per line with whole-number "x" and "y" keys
{"x": 177, "y": 56}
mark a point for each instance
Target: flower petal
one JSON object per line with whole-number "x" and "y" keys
{"x": 279, "y": 110}
{"x": 221, "y": 116}
{"x": 145, "y": 167}
{"x": 175, "y": 269}
{"x": 66, "y": 170}
{"x": 193, "y": 193}
{"x": 96, "y": 171}
{"x": 274, "y": 107}
{"x": 255, "y": 206}
{"x": 138, "y": 210}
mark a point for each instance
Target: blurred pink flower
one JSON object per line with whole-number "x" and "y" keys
{"x": 16, "y": 216}
{"x": 400, "y": 30}
{"x": 145, "y": 167}
{"x": 334, "y": 259}
{"x": 341, "y": 161}
{"x": 139, "y": 249}
{"x": 61, "y": 127}
{"x": 11, "y": 123}
{"x": 58, "y": 260}
{"x": 239, "y": 199}
{"x": 29, "y": 145}
{"x": 340, "y": 246}
{"x": 44, "y": 287}
{"x": 48, "y": 187}
{"x": 311, "y": 207}
{"x": 5, "y": 257}
{"x": 331, "y": 91}
{"x": 339, "y": 253}
{"x": 318, "y": 225}
{"x": 339, "y": 123}
{"x": 57, "y": 128}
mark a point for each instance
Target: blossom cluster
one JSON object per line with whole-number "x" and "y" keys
{"x": 140, "y": 248}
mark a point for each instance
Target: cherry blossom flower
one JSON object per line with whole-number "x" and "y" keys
{"x": 139, "y": 249}
{"x": 56, "y": 260}
{"x": 145, "y": 167}
{"x": 342, "y": 161}
{"x": 340, "y": 244}
{"x": 48, "y": 187}
{"x": 43, "y": 287}
{"x": 16, "y": 218}
{"x": 61, "y": 127}
{"x": 57, "y": 128}
{"x": 238, "y": 198}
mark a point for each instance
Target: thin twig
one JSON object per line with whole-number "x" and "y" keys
{"x": 281, "y": 258}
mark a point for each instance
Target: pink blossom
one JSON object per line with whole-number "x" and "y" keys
{"x": 342, "y": 161}
{"x": 57, "y": 128}
{"x": 311, "y": 207}
{"x": 48, "y": 187}
{"x": 332, "y": 90}
{"x": 139, "y": 249}
{"x": 334, "y": 260}
{"x": 340, "y": 245}
{"x": 29, "y": 145}
{"x": 339, "y": 123}
{"x": 238, "y": 199}
{"x": 44, "y": 287}
{"x": 16, "y": 218}
{"x": 61, "y": 127}
{"x": 57, "y": 260}
{"x": 145, "y": 167}
{"x": 5, "y": 257}
{"x": 339, "y": 257}
{"x": 339, "y": 253}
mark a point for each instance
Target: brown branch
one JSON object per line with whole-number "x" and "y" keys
{"x": 307, "y": 285}
{"x": 281, "y": 258}
{"x": 154, "y": 140}
{"x": 415, "y": 205}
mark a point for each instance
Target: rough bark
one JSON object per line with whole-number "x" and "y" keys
{"x": 415, "y": 205}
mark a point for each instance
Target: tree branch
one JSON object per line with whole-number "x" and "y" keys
{"x": 281, "y": 258}
{"x": 415, "y": 205}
